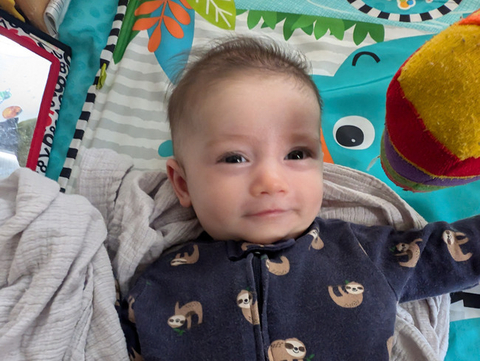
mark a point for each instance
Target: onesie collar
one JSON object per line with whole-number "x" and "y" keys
{"x": 240, "y": 249}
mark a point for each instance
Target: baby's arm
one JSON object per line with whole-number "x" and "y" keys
{"x": 441, "y": 258}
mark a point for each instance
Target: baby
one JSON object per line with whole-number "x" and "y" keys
{"x": 268, "y": 280}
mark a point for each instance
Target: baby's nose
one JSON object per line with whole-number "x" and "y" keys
{"x": 269, "y": 179}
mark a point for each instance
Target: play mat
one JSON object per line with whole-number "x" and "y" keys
{"x": 122, "y": 62}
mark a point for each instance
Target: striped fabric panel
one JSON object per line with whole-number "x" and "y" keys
{"x": 105, "y": 58}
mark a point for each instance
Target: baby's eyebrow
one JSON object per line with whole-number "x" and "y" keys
{"x": 228, "y": 137}
{"x": 304, "y": 136}
{"x": 309, "y": 138}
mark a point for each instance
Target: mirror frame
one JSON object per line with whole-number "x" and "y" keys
{"x": 59, "y": 56}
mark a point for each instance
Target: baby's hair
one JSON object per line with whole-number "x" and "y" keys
{"x": 226, "y": 58}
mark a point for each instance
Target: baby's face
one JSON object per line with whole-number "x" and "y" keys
{"x": 252, "y": 161}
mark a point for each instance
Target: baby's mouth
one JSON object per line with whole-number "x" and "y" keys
{"x": 267, "y": 213}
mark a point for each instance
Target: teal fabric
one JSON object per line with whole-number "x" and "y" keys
{"x": 356, "y": 96}
{"x": 85, "y": 29}
{"x": 344, "y": 10}
{"x": 464, "y": 341}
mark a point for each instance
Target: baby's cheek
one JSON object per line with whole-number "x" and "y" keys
{"x": 314, "y": 198}
{"x": 214, "y": 220}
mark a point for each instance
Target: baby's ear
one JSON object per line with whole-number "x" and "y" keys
{"x": 176, "y": 175}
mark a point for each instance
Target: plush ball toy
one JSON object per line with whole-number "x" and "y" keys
{"x": 432, "y": 130}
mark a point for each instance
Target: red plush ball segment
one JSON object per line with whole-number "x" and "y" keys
{"x": 432, "y": 130}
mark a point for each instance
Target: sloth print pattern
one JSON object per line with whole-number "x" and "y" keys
{"x": 351, "y": 297}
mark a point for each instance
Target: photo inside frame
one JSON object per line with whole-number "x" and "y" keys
{"x": 33, "y": 70}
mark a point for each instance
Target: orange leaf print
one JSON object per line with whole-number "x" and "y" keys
{"x": 180, "y": 13}
{"x": 144, "y": 23}
{"x": 173, "y": 27}
{"x": 149, "y": 7}
{"x": 186, "y": 4}
{"x": 155, "y": 39}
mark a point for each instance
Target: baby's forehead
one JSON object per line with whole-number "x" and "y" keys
{"x": 253, "y": 77}
{"x": 245, "y": 83}
{"x": 207, "y": 95}
{"x": 205, "y": 92}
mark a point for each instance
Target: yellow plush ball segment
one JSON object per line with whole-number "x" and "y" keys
{"x": 442, "y": 81}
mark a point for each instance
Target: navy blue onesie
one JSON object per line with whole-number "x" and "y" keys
{"x": 330, "y": 295}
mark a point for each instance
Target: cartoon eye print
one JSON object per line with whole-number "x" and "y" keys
{"x": 354, "y": 132}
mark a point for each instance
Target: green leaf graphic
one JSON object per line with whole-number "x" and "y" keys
{"x": 288, "y": 26}
{"x": 221, "y": 13}
{"x": 320, "y": 29}
{"x": 270, "y": 18}
{"x": 360, "y": 33}
{"x": 179, "y": 332}
{"x": 316, "y": 25}
{"x": 126, "y": 33}
{"x": 304, "y": 21}
{"x": 348, "y": 24}
{"x": 337, "y": 27}
{"x": 377, "y": 32}
{"x": 253, "y": 18}
{"x": 308, "y": 29}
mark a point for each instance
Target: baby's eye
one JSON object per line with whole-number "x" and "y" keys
{"x": 233, "y": 158}
{"x": 296, "y": 154}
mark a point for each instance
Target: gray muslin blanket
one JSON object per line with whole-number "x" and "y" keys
{"x": 59, "y": 255}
